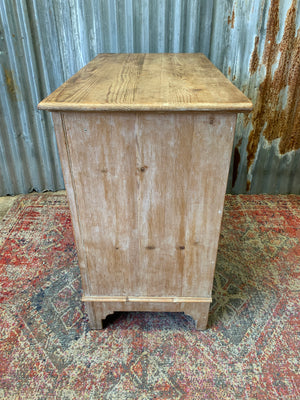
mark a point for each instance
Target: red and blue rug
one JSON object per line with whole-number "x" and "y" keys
{"x": 250, "y": 351}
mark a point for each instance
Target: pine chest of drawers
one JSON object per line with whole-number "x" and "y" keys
{"x": 145, "y": 143}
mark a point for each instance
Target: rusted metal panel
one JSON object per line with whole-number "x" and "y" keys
{"x": 254, "y": 43}
{"x": 277, "y": 108}
{"x": 266, "y": 154}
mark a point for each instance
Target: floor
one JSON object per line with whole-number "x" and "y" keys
{"x": 7, "y": 201}
{"x": 5, "y": 204}
{"x": 249, "y": 351}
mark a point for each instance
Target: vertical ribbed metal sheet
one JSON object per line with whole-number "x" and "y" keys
{"x": 43, "y": 43}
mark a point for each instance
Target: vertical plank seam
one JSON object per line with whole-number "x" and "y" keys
{"x": 116, "y": 238}
{"x": 75, "y": 198}
{"x": 185, "y": 208}
{"x": 138, "y": 183}
{"x": 187, "y": 237}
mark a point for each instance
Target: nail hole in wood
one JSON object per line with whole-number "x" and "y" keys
{"x": 182, "y": 247}
{"x": 143, "y": 169}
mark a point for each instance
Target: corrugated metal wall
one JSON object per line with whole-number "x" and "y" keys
{"x": 254, "y": 43}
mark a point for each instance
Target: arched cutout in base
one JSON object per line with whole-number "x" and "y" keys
{"x": 102, "y": 314}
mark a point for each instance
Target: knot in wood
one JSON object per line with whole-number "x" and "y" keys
{"x": 150, "y": 247}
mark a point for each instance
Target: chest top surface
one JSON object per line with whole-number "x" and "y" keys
{"x": 147, "y": 82}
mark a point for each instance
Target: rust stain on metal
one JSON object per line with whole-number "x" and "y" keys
{"x": 254, "y": 58}
{"x": 231, "y": 19}
{"x": 248, "y": 185}
{"x": 236, "y": 162}
{"x": 246, "y": 118}
{"x": 267, "y": 116}
{"x": 10, "y": 83}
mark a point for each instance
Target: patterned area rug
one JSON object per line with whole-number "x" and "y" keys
{"x": 250, "y": 350}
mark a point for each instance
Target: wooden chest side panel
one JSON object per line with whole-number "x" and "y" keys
{"x": 66, "y": 163}
{"x": 185, "y": 159}
{"x": 211, "y": 152}
{"x": 102, "y": 150}
{"x": 165, "y": 150}
{"x": 146, "y": 193}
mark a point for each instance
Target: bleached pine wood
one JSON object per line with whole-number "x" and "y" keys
{"x": 146, "y": 299}
{"x": 66, "y": 163}
{"x": 148, "y": 82}
{"x": 148, "y": 197}
{"x": 101, "y": 149}
{"x": 146, "y": 188}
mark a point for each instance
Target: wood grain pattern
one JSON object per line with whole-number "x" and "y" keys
{"x": 148, "y": 82}
{"x": 146, "y": 193}
{"x": 101, "y": 149}
{"x": 209, "y": 165}
{"x": 66, "y": 163}
{"x": 181, "y": 191}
